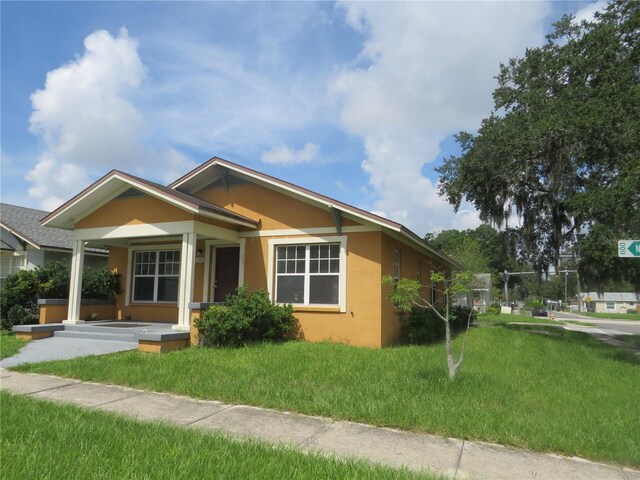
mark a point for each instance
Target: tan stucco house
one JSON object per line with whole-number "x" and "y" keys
{"x": 181, "y": 246}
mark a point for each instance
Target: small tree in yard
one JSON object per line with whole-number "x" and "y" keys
{"x": 406, "y": 294}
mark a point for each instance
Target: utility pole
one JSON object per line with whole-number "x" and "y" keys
{"x": 566, "y": 272}
{"x": 505, "y": 278}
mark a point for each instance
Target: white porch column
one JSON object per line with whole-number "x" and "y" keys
{"x": 187, "y": 274}
{"x": 75, "y": 287}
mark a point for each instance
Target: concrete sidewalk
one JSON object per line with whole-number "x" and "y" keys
{"x": 456, "y": 458}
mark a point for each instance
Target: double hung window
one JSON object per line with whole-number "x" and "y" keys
{"x": 308, "y": 274}
{"x": 156, "y": 275}
{"x": 396, "y": 265}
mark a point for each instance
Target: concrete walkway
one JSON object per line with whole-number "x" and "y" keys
{"x": 58, "y": 348}
{"x": 455, "y": 458}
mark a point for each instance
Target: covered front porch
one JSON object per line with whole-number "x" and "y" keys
{"x": 164, "y": 269}
{"x": 171, "y": 249}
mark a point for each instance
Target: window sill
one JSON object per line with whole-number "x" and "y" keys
{"x": 153, "y": 304}
{"x": 303, "y": 308}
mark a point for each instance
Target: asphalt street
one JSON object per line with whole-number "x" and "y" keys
{"x": 606, "y": 327}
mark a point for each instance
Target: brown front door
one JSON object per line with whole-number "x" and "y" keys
{"x": 225, "y": 279}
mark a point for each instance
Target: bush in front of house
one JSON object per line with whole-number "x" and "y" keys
{"x": 19, "y": 299}
{"x": 100, "y": 284}
{"x": 21, "y": 290}
{"x": 422, "y": 326}
{"x": 246, "y": 317}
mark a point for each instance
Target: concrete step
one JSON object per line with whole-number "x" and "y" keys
{"x": 99, "y": 327}
{"x": 93, "y": 335}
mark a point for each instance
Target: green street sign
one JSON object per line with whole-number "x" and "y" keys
{"x": 628, "y": 248}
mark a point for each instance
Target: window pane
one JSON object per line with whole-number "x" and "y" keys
{"x": 324, "y": 251}
{"x": 143, "y": 288}
{"x": 313, "y": 251}
{"x": 313, "y": 266}
{"x": 324, "y": 266}
{"x": 291, "y": 266}
{"x": 290, "y": 289}
{"x": 323, "y": 289}
{"x": 282, "y": 253}
{"x": 334, "y": 266}
{"x": 291, "y": 252}
{"x": 300, "y": 266}
{"x": 334, "y": 251}
{"x": 163, "y": 257}
{"x": 282, "y": 266}
{"x": 167, "y": 289}
{"x": 301, "y": 251}
{"x": 161, "y": 269}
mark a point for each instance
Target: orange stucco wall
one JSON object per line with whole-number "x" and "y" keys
{"x": 274, "y": 210}
{"x": 58, "y": 313}
{"x": 369, "y": 319}
{"x": 409, "y": 258}
{"x": 133, "y": 211}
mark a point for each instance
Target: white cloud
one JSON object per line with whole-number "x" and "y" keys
{"x": 89, "y": 125}
{"x": 425, "y": 71}
{"x": 588, "y": 13}
{"x": 285, "y": 156}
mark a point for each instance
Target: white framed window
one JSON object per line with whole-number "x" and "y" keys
{"x": 433, "y": 292}
{"x": 156, "y": 275}
{"x": 308, "y": 271}
{"x": 611, "y": 306}
{"x": 396, "y": 264}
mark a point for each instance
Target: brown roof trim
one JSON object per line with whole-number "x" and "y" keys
{"x": 20, "y": 235}
{"x": 193, "y": 202}
{"x": 77, "y": 197}
{"x": 330, "y": 201}
{"x": 284, "y": 183}
{"x": 190, "y": 199}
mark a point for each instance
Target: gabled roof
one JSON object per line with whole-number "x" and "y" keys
{"x": 116, "y": 182}
{"x": 612, "y": 296}
{"x": 193, "y": 181}
{"x": 24, "y": 223}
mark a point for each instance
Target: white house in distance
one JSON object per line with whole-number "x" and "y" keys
{"x": 610, "y": 302}
{"x": 25, "y": 244}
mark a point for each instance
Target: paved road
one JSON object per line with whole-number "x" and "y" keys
{"x": 602, "y": 326}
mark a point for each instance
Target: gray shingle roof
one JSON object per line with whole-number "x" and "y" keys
{"x": 25, "y": 222}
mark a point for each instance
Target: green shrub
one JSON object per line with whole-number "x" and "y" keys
{"x": 19, "y": 290}
{"x": 422, "y": 326}
{"x": 246, "y": 317}
{"x": 492, "y": 310}
{"x": 24, "y": 288}
{"x": 100, "y": 284}
{"x": 631, "y": 311}
{"x": 54, "y": 280}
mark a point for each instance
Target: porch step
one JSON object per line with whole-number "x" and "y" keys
{"x": 99, "y": 327}
{"x": 99, "y": 335}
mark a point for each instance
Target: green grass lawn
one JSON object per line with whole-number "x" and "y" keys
{"x": 613, "y": 316}
{"x": 10, "y": 344}
{"x": 632, "y": 339}
{"x": 554, "y": 391}
{"x": 43, "y": 440}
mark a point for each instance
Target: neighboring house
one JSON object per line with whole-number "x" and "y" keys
{"x": 222, "y": 225}
{"x": 610, "y": 302}
{"x": 25, "y": 244}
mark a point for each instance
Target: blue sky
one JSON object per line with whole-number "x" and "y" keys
{"x": 357, "y": 101}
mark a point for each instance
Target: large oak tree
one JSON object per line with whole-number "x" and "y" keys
{"x": 561, "y": 147}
